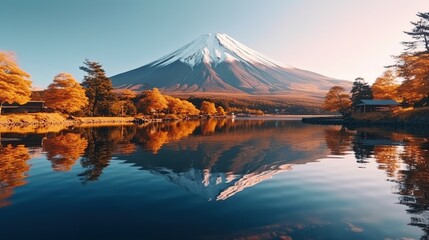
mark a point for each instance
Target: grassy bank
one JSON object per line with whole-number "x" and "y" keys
{"x": 53, "y": 122}
{"x": 32, "y": 119}
{"x": 419, "y": 116}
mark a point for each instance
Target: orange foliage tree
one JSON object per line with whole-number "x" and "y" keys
{"x": 153, "y": 101}
{"x": 190, "y": 108}
{"x": 414, "y": 68}
{"x": 337, "y": 100}
{"x": 13, "y": 168}
{"x": 65, "y": 94}
{"x": 14, "y": 82}
{"x": 64, "y": 150}
{"x": 175, "y": 105}
{"x": 208, "y": 108}
{"x": 385, "y": 87}
{"x": 220, "y": 111}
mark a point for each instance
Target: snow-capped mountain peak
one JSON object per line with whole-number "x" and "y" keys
{"x": 217, "y": 63}
{"x": 214, "y": 49}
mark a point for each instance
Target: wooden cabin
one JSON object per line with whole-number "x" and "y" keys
{"x": 29, "y": 107}
{"x": 376, "y": 105}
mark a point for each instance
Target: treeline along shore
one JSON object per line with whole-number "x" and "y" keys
{"x": 406, "y": 118}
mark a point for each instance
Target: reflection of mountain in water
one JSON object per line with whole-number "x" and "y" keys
{"x": 239, "y": 155}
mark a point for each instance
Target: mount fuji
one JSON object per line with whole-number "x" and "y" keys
{"x": 216, "y": 63}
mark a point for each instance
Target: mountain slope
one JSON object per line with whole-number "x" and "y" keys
{"x": 217, "y": 63}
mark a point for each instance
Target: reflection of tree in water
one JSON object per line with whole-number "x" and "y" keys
{"x": 413, "y": 181}
{"x": 98, "y": 153}
{"x": 121, "y": 137}
{"x": 362, "y": 151}
{"x": 209, "y": 126}
{"x": 387, "y": 158}
{"x": 63, "y": 150}
{"x": 339, "y": 141}
{"x": 412, "y": 178}
{"x": 13, "y": 169}
{"x": 155, "y": 135}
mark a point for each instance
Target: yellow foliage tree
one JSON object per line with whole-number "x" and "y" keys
{"x": 175, "y": 105}
{"x": 220, "y": 111}
{"x": 128, "y": 94}
{"x": 208, "y": 108}
{"x": 190, "y": 108}
{"x": 385, "y": 87}
{"x": 14, "y": 82}
{"x": 153, "y": 101}
{"x": 337, "y": 100}
{"x": 65, "y": 94}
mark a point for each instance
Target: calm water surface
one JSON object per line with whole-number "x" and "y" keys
{"x": 242, "y": 179}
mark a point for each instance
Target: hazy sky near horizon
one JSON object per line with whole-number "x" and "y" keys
{"x": 342, "y": 39}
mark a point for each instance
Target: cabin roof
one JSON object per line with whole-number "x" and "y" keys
{"x": 384, "y": 102}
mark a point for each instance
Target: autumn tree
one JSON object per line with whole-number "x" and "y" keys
{"x": 65, "y": 94}
{"x": 220, "y": 111}
{"x": 208, "y": 108}
{"x": 98, "y": 89}
{"x": 175, "y": 105}
{"x": 360, "y": 91}
{"x": 413, "y": 64}
{"x": 190, "y": 108}
{"x": 385, "y": 86}
{"x": 14, "y": 82}
{"x": 415, "y": 71}
{"x": 337, "y": 100}
{"x": 124, "y": 105}
{"x": 152, "y": 101}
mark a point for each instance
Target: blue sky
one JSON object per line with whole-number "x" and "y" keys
{"x": 343, "y": 39}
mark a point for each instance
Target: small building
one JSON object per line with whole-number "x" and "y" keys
{"x": 380, "y": 105}
{"x": 29, "y": 107}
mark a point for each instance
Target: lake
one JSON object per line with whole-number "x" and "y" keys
{"x": 215, "y": 179}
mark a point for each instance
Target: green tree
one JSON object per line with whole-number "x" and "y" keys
{"x": 420, "y": 34}
{"x": 98, "y": 89}
{"x": 65, "y": 94}
{"x": 337, "y": 100}
{"x": 360, "y": 91}
{"x": 14, "y": 82}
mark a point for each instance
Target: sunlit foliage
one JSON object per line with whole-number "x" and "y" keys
{"x": 337, "y": 100}
{"x": 14, "y": 82}
{"x": 415, "y": 70}
{"x": 152, "y": 101}
{"x": 385, "y": 87}
{"x": 65, "y": 94}
{"x": 208, "y": 108}
{"x": 220, "y": 111}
